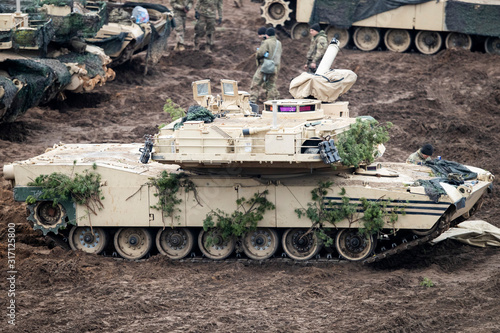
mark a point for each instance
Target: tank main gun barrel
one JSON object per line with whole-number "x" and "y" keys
{"x": 328, "y": 58}
{"x": 18, "y": 6}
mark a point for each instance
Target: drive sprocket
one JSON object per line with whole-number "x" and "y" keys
{"x": 276, "y": 12}
{"x": 48, "y": 217}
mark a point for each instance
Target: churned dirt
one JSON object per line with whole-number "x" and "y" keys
{"x": 451, "y": 100}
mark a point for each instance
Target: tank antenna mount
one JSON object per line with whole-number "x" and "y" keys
{"x": 275, "y": 114}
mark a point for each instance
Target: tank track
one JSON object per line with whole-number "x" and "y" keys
{"x": 443, "y": 225}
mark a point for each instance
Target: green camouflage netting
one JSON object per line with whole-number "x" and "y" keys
{"x": 343, "y": 13}
{"x": 196, "y": 113}
{"x": 157, "y": 45}
{"x": 92, "y": 62}
{"x": 79, "y": 25}
{"x": 43, "y": 79}
{"x": 36, "y": 78}
{"x": 473, "y": 18}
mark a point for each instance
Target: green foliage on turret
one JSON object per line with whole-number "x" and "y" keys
{"x": 359, "y": 144}
{"x": 173, "y": 109}
{"x": 244, "y": 219}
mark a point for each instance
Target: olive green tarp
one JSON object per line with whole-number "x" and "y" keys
{"x": 42, "y": 80}
{"x": 464, "y": 17}
{"x": 449, "y": 172}
{"x": 343, "y": 13}
{"x": 473, "y": 18}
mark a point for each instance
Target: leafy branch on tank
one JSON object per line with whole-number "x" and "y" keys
{"x": 167, "y": 186}
{"x": 324, "y": 212}
{"x": 244, "y": 219}
{"x": 83, "y": 189}
{"x": 359, "y": 144}
{"x": 173, "y": 109}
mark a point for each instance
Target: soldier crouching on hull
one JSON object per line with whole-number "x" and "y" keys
{"x": 206, "y": 16}
{"x": 181, "y": 8}
{"x": 317, "y": 48}
{"x": 271, "y": 49}
{"x": 422, "y": 155}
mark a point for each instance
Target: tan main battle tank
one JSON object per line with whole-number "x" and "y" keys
{"x": 228, "y": 177}
{"x": 398, "y": 25}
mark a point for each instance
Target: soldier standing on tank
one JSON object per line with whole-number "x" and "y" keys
{"x": 206, "y": 11}
{"x": 317, "y": 48}
{"x": 269, "y": 48}
{"x": 181, "y": 8}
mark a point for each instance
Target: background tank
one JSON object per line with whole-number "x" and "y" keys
{"x": 428, "y": 25}
{"x": 50, "y": 49}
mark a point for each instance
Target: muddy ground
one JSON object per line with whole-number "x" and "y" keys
{"x": 450, "y": 99}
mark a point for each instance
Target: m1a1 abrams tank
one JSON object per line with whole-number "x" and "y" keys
{"x": 237, "y": 178}
{"x": 428, "y": 25}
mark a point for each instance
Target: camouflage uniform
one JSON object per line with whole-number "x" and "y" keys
{"x": 417, "y": 158}
{"x": 268, "y": 81}
{"x": 206, "y": 22}
{"x": 317, "y": 49}
{"x": 181, "y": 7}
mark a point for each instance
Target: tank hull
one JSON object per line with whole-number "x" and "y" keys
{"x": 129, "y": 196}
{"x": 428, "y": 25}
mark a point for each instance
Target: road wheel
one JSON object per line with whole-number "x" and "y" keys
{"x": 300, "y": 30}
{"x": 133, "y": 243}
{"x": 175, "y": 243}
{"x": 492, "y": 45}
{"x": 397, "y": 40}
{"x": 219, "y": 248}
{"x": 428, "y": 42}
{"x": 88, "y": 240}
{"x": 354, "y": 246}
{"x": 456, "y": 40}
{"x": 260, "y": 244}
{"x": 300, "y": 244}
{"x": 342, "y": 35}
{"x": 366, "y": 39}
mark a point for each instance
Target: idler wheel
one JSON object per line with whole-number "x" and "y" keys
{"x": 300, "y": 244}
{"x": 175, "y": 243}
{"x": 83, "y": 239}
{"x": 219, "y": 249}
{"x": 48, "y": 214}
{"x": 260, "y": 244}
{"x": 354, "y": 246}
{"x": 133, "y": 243}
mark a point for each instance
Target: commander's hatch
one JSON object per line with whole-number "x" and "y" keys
{"x": 234, "y": 100}
{"x": 231, "y": 100}
{"x": 202, "y": 93}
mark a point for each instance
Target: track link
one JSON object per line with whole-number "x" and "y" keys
{"x": 444, "y": 224}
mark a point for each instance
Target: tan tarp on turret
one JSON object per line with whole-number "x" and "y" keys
{"x": 326, "y": 88}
